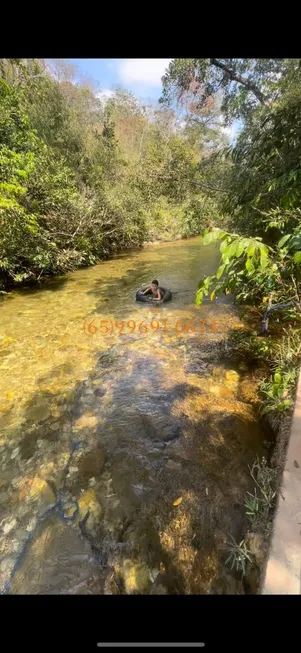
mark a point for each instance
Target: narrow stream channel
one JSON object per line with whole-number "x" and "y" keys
{"x": 124, "y": 454}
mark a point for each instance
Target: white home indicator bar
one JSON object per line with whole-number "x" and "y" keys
{"x": 151, "y": 644}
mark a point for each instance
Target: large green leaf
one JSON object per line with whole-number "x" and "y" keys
{"x": 231, "y": 249}
{"x": 297, "y": 257}
{"x": 240, "y": 248}
{"x": 251, "y": 250}
{"x": 224, "y": 245}
{"x": 221, "y": 270}
{"x": 207, "y": 238}
{"x": 263, "y": 259}
{"x": 199, "y": 297}
{"x": 250, "y": 265}
{"x": 284, "y": 240}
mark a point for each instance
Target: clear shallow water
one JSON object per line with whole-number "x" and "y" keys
{"x": 100, "y": 434}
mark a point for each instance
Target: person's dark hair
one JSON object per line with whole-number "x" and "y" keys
{"x": 155, "y": 282}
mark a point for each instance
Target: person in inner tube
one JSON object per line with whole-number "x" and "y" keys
{"x": 155, "y": 290}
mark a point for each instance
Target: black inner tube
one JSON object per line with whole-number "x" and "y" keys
{"x": 148, "y": 298}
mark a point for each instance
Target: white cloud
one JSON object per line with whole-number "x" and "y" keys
{"x": 105, "y": 94}
{"x": 143, "y": 71}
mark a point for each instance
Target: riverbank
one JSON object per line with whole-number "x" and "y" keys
{"x": 160, "y": 241}
{"x": 45, "y": 277}
{"x": 283, "y": 570}
{"x": 267, "y": 543}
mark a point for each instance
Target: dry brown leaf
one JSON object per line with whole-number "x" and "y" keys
{"x": 177, "y": 501}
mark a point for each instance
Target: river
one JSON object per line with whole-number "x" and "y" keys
{"x": 124, "y": 453}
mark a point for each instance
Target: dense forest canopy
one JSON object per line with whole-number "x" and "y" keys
{"x": 81, "y": 178}
{"x": 261, "y": 247}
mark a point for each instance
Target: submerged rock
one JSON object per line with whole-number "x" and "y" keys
{"x": 58, "y": 561}
{"x": 88, "y": 503}
{"x": 9, "y": 526}
{"x": 41, "y": 492}
{"x": 159, "y": 428}
{"x": 100, "y": 392}
{"x": 39, "y": 413}
{"x": 136, "y": 577}
{"x": 158, "y": 589}
{"x": 90, "y": 466}
{"x": 232, "y": 380}
{"x": 54, "y": 426}
{"x": 173, "y": 464}
{"x": 222, "y": 391}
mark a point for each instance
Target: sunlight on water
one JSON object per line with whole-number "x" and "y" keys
{"x": 100, "y": 432}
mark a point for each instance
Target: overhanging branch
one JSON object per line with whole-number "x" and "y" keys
{"x": 235, "y": 77}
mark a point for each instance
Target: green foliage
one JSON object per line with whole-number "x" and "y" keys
{"x": 255, "y": 271}
{"x": 197, "y": 214}
{"x": 33, "y": 182}
{"x": 265, "y": 178}
{"x": 261, "y": 260}
{"x": 283, "y": 359}
{"x": 88, "y": 177}
{"x": 278, "y": 390}
{"x": 238, "y": 555}
{"x": 244, "y": 83}
{"x": 81, "y": 179}
{"x": 287, "y": 351}
{"x": 248, "y": 345}
{"x": 261, "y": 502}
{"x": 164, "y": 219}
{"x": 259, "y": 506}
{"x": 245, "y": 266}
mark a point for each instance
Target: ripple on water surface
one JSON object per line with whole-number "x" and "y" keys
{"x": 124, "y": 456}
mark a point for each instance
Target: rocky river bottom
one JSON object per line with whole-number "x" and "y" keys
{"x": 124, "y": 455}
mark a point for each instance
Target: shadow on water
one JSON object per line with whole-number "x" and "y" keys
{"x": 124, "y": 462}
{"x": 50, "y": 285}
{"x": 142, "y": 443}
{"x": 115, "y": 291}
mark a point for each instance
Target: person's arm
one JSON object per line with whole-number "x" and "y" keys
{"x": 158, "y": 299}
{"x": 146, "y": 290}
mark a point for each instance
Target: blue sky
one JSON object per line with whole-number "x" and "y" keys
{"x": 141, "y": 76}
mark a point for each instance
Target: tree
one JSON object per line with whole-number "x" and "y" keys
{"x": 81, "y": 179}
{"x": 262, "y": 257}
{"x": 266, "y": 172}
{"x": 243, "y": 84}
